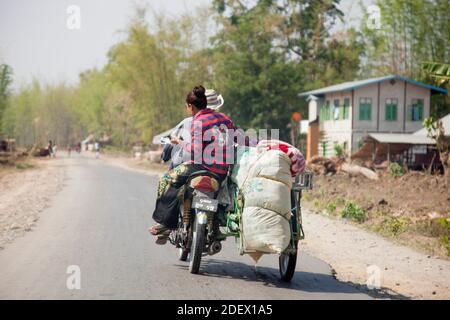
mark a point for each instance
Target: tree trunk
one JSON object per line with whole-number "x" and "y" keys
{"x": 354, "y": 169}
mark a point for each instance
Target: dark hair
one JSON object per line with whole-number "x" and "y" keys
{"x": 197, "y": 97}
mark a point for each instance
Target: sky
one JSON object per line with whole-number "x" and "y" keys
{"x": 36, "y": 41}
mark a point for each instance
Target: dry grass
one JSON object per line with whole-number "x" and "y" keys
{"x": 413, "y": 210}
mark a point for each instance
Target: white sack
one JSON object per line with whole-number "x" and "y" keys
{"x": 265, "y": 230}
{"x": 254, "y": 162}
{"x": 268, "y": 194}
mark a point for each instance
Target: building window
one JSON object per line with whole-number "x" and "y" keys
{"x": 416, "y": 110}
{"x": 365, "y": 109}
{"x": 335, "y": 113}
{"x": 391, "y": 109}
{"x": 325, "y": 111}
{"x": 345, "y": 109}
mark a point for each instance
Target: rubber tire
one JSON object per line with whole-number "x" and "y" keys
{"x": 198, "y": 243}
{"x": 287, "y": 263}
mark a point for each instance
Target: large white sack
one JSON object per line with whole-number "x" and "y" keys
{"x": 264, "y": 231}
{"x": 268, "y": 194}
{"x": 245, "y": 156}
{"x": 274, "y": 165}
{"x": 254, "y": 162}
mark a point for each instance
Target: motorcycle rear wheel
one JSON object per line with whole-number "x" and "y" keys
{"x": 198, "y": 243}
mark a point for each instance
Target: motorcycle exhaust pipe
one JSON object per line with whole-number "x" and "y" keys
{"x": 215, "y": 247}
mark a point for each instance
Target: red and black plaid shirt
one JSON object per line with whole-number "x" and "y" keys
{"x": 211, "y": 145}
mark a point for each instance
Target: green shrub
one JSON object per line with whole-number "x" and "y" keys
{"x": 339, "y": 201}
{"x": 354, "y": 212}
{"x": 446, "y": 243}
{"x": 395, "y": 225}
{"x": 396, "y": 170}
{"x": 338, "y": 150}
{"x": 316, "y": 203}
{"x": 440, "y": 227}
{"x": 23, "y": 166}
{"x": 331, "y": 207}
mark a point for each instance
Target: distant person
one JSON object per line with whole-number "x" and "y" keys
{"x": 49, "y": 148}
{"x": 69, "y": 151}
{"x": 54, "y": 149}
{"x": 97, "y": 150}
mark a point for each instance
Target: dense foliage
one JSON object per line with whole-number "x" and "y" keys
{"x": 259, "y": 55}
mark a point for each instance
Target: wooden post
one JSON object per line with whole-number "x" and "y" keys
{"x": 374, "y": 152}
{"x": 389, "y": 153}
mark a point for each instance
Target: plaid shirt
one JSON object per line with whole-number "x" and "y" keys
{"x": 210, "y": 143}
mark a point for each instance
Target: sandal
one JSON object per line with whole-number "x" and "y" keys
{"x": 161, "y": 240}
{"x": 158, "y": 229}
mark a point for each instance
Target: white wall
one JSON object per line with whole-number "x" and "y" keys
{"x": 337, "y": 131}
{"x": 313, "y": 109}
{"x": 370, "y": 91}
{"x": 341, "y": 131}
{"x": 397, "y": 91}
{"x": 416, "y": 92}
{"x": 389, "y": 90}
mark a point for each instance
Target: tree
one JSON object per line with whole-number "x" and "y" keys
{"x": 260, "y": 84}
{"x": 5, "y": 82}
{"x": 268, "y": 52}
{"x": 411, "y": 31}
{"x": 436, "y": 131}
{"x": 439, "y": 71}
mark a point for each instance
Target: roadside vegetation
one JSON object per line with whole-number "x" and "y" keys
{"x": 258, "y": 54}
{"x": 412, "y": 208}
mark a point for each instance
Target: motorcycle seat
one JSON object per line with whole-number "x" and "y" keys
{"x": 205, "y": 181}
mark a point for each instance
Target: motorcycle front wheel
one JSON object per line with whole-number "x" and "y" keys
{"x": 198, "y": 243}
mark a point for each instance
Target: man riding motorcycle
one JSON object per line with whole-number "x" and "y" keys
{"x": 206, "y": 123}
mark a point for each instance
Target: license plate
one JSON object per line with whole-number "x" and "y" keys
{"x": 206, "y": 204}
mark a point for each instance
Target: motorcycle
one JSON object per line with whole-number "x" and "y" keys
{"x": 201, "y": 215}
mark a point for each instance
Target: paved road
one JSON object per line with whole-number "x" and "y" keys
{"x": 99, "y": 221}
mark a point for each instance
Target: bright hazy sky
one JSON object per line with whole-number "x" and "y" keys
{"x": 35, "y": 40}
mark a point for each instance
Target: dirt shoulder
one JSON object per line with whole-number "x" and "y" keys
{"x": 412, "y": 210}
{"x": 350, "y": 250}
{"x": 398, "y": 224}
{"x": 26, "y": 190}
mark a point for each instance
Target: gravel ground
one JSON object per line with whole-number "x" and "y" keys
{"x": 350, "y": 251}
{"x": 24, "y": 194}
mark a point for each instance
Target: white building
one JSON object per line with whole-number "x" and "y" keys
{"x": 348, "y": 112}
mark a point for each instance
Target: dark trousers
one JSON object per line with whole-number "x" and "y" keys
{"x": 169, "y": 186}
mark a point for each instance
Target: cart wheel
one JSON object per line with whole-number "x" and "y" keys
{"x": 287, "y": 262}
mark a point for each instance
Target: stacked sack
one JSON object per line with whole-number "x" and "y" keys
{"x": 264, "y": 176}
